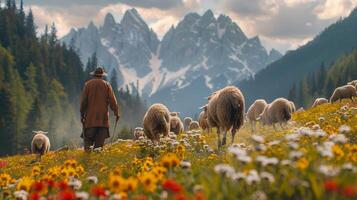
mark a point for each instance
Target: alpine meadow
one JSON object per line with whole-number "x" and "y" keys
{"x": 178, "y": 99}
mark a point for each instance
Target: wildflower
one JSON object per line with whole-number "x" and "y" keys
{"x": 286, "y": 162}
{"x": 325, "y": 149}
{"x": 3, "y": 164}
{"x": 21, "y": 194}
{"x": 238, "y": 176}
{"x": 292, "y": 137}
{"x": 82, "y": 195}
{"x": 267, "y": 176}
{"x": 170, "y": 160}
{"x": 237, "y": 151}
{"x": 116, "y": 184}
{"x": 261, "y": 147}
{"x": 316, "y": 127}
{"x": 295, "y": 154}
{"x": 66, "y": 195}
{"x": 172, "y": 186}
{"x": 92, "y": 179}
{"x": 330, "y": 185}
{"x": 258, "y": 138}
{"x": 252, "y": 177}
{"x": 328, "y": 170}
{"x": 337, "y": 151}
{"x": 293, "y": 145}
{"x": 200, "y": 196}
{"x": 75, "y": 183}
{"x": 245, "y": 159}
{"x": 130, "y": 184}
{"x": 148, "y": 181}
{"x": 320, "y": 133}
{"x": 274, "y": 142}
{"x": 348, "y": 167}
{"x": 338, "y": 138}
{"x": 306, "y": 131}
{"x": 302, "y": 163}
{"x": 224, "y": 170}
{"x": 349, "y": 191}
{"x": 5, "y": 179}
{"x": 344, "y": 129}
{"x": 321, "y": 119}
{"x": 185, "y": 164}
{"x": 263, "y": 160}
{"x": 259, "y": 195}
{"x": 24, "y": 184}
{"x": 98, "y": 191}
{"x": 36, "y": 171}
{"x": 39, "y": 187}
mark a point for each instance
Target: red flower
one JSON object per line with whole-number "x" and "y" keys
{"x": 349, "y": 191}
{"x": 331, "y": 185}
{"x": 200, "y": 196}
{"x": 98, "y": 191}
{"x": 34, "y": 196}
{"x": 66, "y": 195}
{"x": 172, "y": 186}
{"x": 3, "y": 164}
{"x": 38, "y": 186}
{"x": 180, "y": 197}
{"x": 62, "y": 186}
{"x": 50, "y": 183}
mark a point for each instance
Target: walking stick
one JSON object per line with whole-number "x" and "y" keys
{"x": 115, "y": 127}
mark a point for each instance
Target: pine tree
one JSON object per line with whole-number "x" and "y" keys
{"x": 292, "y": 93}
{"x": 30, "y": 25}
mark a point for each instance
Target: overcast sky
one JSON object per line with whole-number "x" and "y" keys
{"x": 281, "y": 24}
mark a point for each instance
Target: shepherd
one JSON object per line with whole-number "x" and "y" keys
{"x": 97, "y": 95}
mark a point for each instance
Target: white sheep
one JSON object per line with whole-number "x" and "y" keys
{"x": 194, "y": 125}
{"x": 254, "y": 111}
{"x": 187, "y": 122}
{"x": 40, "y": 143}
{"x": 138, "y": 132}
{"x": 319, "y": 101}
{"x": 343, "y": 92}
{"x": 225, "y": 111}
{"x": 156, "y": 121}
{"x": 176, "y": 125}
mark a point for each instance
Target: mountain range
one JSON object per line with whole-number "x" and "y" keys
{"x": 277, "y": 78}
{"x": 201, "y": 54}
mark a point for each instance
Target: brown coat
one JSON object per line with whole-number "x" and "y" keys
{"x": 96, "y": 97}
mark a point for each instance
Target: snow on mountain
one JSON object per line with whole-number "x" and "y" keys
{"x": 200, "y": 52}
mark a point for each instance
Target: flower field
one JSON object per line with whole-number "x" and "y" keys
{"x": 315, "y": 157}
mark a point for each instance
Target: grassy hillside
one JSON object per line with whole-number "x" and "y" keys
{"x": 300, "y": 162}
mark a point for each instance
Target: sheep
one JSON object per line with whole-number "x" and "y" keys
{"x": 194, "y": 125}
{"x": 225, "y": 111}
{"x": 156, "y": 121}
{"x": 292, "y": 106}
{"x": 176, "y": 125}
{"x": 254, "y": 111}
{"x": 343, "y": 92}
{"x": 319, "y": 101}
{"x": 354, "y": 83}
{"x": 279, "y": 111}
{"x": 40, "y": 143}
{"x": 138, "y": 132}
{"x": 187, "y": 122}
{"x": 173, "y": 114}
{"x": 202, "y": 121}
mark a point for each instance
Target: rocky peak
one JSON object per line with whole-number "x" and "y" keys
{"x": 109, "y": 20}
{"x": 132, "y": 18}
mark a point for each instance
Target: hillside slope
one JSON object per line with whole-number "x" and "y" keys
{"x": 276, "y": 80}
{"x": 296, "y": 163}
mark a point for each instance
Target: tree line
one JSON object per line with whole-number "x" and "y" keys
{"x": 40, "y": 84}
{"x": 323, "y": 82}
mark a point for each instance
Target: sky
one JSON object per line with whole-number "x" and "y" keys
{"x": 280, "y": 24}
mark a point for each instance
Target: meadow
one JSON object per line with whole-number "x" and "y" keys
{"x": 314, "y": 157}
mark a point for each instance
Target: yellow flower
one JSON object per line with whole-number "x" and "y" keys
{"x": 148, "y": 180}
{"x": 338, "y": 152}
{"x": 25, "y": 183}
{"x": 116, "y": 184}
{"x": 115, "y": 172}
{"x": 130, "y": 184}
{"x": 70, "y": 163}
{"x": 5, "y": 179}
{"x": 302, "y": 163}
{"x": 170, "y": 160}
{"x": 36, "y": 171}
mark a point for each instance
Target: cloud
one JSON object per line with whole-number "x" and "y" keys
{"x": 335, "y": 8}
{"x": 254, "y": 8}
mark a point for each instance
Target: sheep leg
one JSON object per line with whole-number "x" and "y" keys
{"x": 234, "y": 131}
{"x": 219, "y": 138}
{"x": 275, "y": 127}
{"x": 224, "y": 141}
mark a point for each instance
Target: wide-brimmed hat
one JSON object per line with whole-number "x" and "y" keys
{"x": 99, "y": 71}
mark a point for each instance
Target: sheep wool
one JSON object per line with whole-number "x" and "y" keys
{"x": 138, "y": 132}
{"x": 176, "y": 125}
{"x": 202, "y": 121}
{"x": 225, "y": 110}
{"x": 156, "y": 121}
{"x": 343, "y": 92}
{"x": 292, "y": 106}
{"x": 319, "y": 101}
{"x": 187, "y": 122}
{"x": 194, "y": 125}
{"x": 40, "y": 143}
{"x": 254, "y": 111}
{"x": 279, "y": 111}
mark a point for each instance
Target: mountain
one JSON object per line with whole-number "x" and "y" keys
{"x": 276, "y": 79}
{"x": 204, "y": 52}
